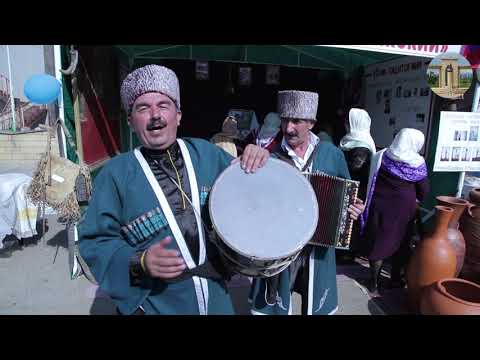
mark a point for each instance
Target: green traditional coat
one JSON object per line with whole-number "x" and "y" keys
{"x": 127, "y": 189}
{"x": 322, "y": 284}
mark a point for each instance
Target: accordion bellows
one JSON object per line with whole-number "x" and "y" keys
{"x": 334, "y": 195}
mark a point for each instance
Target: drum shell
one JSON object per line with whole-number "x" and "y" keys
{"x": 249, "y": 266}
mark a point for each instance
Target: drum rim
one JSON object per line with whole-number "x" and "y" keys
{"x": 238, "y": 251}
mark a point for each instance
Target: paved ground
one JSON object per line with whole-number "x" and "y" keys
{"x": 35, "y": 280}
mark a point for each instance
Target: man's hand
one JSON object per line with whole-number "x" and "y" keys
{"x": 163, "y": 263}
{"x": 356, "y": 209}
{"x": 253, "y": 157}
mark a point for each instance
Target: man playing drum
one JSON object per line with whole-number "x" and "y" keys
{"x": 142, "y": 235}
{"x": 313, "y": 273}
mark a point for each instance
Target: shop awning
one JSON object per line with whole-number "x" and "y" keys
{"x": 306, "y": 56}
{"x": 428, "y": 51}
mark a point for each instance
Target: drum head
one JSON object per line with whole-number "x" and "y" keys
{"x": 270, "y": 214}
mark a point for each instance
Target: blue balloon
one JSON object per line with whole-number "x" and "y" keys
{"x": 42, "y": 89}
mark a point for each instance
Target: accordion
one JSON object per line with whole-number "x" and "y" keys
{"x": 334, "y": 196}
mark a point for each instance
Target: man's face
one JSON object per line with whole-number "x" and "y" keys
{"x": 296, "y": 131}
{"x": 155, "y": 119}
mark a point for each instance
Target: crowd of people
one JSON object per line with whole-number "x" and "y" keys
{"x": 143, "y": 234}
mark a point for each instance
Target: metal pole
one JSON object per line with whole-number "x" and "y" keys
{"x": 14, "y": 125}
{"x": 453, "y": 107}
{"x": 61, "y": 109}
{"x": 476, "y": 97}
{"x": 76, "y": 115}
{"x": 461, "y": 180}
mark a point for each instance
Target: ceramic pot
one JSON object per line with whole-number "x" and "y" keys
{"x": 474, "y": 196}
{"x": 451, "y": 297}
{"x": 454, "y": 234}
{"x": 470, "y": 227}
{"x": 434, "y": 258}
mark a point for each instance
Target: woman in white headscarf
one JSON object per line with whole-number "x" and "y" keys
{"x": 358, "y": 131}
{"x": 358, "y": 147}
{"x": 398, "y": 180}
{"x": 269, "y": 133}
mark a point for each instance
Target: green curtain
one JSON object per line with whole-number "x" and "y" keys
{"x": 68, "y": 103}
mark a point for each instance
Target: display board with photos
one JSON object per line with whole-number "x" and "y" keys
{"x": 397, "y": 96}
{"x": 458, "y": 146}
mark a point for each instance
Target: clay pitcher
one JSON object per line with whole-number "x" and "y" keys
{"x": 434, "y": 258}
{"x": 474, "y": 196}
{"x": 470, "y": 227}
{"x": 455, "y": 236}
{"x": 451, "y": 297}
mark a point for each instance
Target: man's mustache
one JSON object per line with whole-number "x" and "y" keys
{"x": 156, "y": 124}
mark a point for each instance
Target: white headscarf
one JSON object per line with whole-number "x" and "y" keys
{"x": 270, "y": 127}
{"x": 359, "y": 134}
{"x": 406, "y": 146}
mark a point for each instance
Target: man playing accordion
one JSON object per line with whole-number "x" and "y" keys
{"x": 313, "y": 273}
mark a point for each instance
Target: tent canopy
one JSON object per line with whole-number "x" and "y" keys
{"x": 306, "y": 56}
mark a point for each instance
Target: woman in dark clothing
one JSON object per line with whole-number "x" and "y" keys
{"x": 358, "y": 161}
{"x": 358, "y": 148}
{"x": 398, "y": 181}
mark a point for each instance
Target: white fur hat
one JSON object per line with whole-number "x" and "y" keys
{"x": 298, "y": 104}
{"x": 150, "y": 78}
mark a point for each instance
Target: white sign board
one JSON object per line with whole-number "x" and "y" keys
{"x": 458, "y": 147}
{"x": 397, "y": 96}
{"x": 412, "y": 50}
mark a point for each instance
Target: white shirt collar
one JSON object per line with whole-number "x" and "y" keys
{"x": 300, "y": 162}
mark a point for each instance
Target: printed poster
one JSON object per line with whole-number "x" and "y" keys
{"x": 397, "y": 97}
{"x": 458, "y": 147}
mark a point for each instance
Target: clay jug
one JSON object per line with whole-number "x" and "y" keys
{"x": 434, "y": 258}
{"x": 474, "y": 196}
{"x": 470, "y": 227}
{"x": 455, "y": 236}
{"x": 451, "y": 297}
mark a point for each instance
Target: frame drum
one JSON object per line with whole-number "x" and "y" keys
{"x": 263, "y": 220}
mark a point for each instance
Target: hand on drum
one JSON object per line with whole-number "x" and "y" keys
{"x": 163, "y": 263}
{"x": 253, "y": 157}
{"x": 356, "y": 209}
